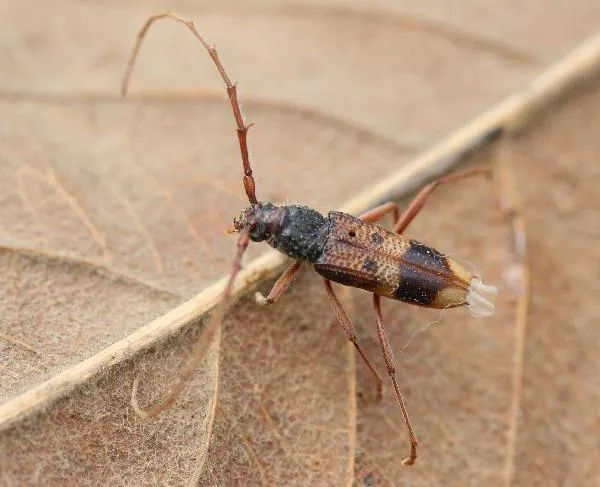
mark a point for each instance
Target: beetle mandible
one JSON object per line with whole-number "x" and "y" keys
{"x": 353, "y": 251}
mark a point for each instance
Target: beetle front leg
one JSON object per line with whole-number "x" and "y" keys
{"x": 279, "y": 287}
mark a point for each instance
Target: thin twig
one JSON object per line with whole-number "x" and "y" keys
{"x": 517, "y": 275}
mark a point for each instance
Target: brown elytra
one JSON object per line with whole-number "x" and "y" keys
{"x": 367, "y": 256}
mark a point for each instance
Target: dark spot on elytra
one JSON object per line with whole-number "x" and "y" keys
{"x": 352, "y": 233}
{"x": 377, "y": 238}
{"x": 370, "y": 265}
{"x": 423, "y": 274}
{"x": 416, "y": 288}
{"x": 427, "y": 257}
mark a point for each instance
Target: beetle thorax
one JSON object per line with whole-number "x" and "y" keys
{"x": 295, "y": 230}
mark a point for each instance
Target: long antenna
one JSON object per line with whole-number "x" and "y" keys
{"x": 242, "y": 128}
{"x": 202, "y": 343}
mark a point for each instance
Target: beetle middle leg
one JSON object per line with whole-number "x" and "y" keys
{"x": 380, "y": 211}
{"x": 350, "y": 332}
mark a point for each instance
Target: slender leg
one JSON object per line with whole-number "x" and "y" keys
{"x": 402, "y": 221}
{"x": 350, "y": 332}
{"x": 380, "y": 211}
{"x": 280, "y": 286}
{"x": 388, "y": 356}
{"x": 417, "y": 204}
{"x": 242, "y": 128}
{"x": 202, "y": 344}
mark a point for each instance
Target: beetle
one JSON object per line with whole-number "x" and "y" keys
{"x": 349, "y": 250}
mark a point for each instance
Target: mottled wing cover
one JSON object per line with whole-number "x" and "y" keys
{"x": 367, "y": 256}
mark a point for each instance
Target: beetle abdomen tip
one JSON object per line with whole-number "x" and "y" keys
{"x": 479, "y": 306}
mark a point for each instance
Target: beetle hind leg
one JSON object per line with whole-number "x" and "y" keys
{"x": 350, "y": 332}
{"x": 419, "y": 201}
{"x": 388, "y": 356}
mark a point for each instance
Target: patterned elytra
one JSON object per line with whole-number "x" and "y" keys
{"x": 367, "y": 256}
{"x": 370, "y": 265}
{"x": 377, "y": 238}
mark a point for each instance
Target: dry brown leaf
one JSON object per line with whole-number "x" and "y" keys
{"x": 112, "y": 213}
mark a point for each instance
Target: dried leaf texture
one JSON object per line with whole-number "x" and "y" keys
{"x": 559, "y": 426}
{"x": 59, "y": 309}
{"x": 270, "y": 429}
{"x": 113, "y": 212}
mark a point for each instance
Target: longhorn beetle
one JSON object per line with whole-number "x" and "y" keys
{"x": 342, "y": 248}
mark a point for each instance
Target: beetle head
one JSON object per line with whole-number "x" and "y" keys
{"x": 260, "y": 220}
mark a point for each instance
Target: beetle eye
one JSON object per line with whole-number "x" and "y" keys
{"x": 257, "y": 231}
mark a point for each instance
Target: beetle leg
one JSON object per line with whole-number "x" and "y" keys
{"x": 350, "y": 332}
{"x": 402, "y": 221}
{"x": 388, "y": 356}
{"x": 380, "y": 211}
{"x": 417, "y": 204}
{"x": 280, "y": 286}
